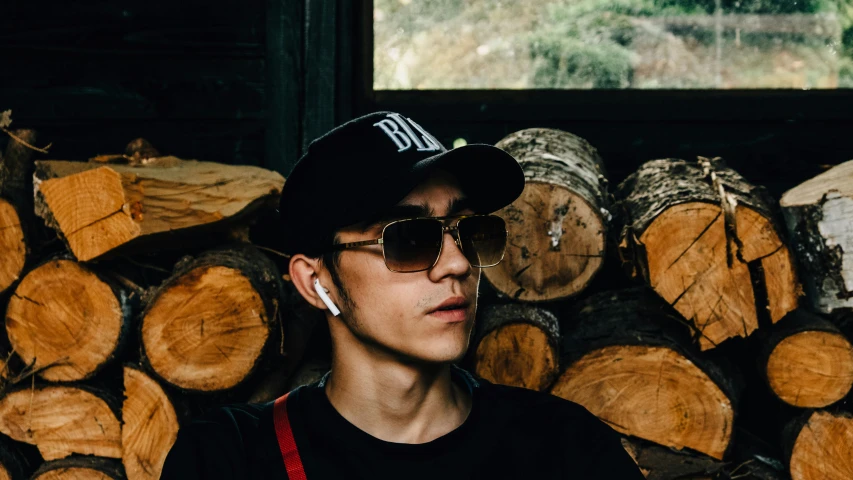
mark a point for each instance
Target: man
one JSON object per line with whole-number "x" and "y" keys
{"x": 388, "y": 232}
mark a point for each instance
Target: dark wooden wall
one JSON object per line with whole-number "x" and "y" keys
{"x": 254, "y": 81}
{"x": 91, "y": 76}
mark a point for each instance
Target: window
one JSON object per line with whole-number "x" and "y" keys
{"x": 612, "y": 44}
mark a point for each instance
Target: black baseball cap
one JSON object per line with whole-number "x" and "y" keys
{"x": 369, "y": 164}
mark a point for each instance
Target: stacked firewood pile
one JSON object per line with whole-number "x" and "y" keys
{"x": 683, "y": 307}
{"x": 113, "y": 336}
{"x": 699, "y": 317}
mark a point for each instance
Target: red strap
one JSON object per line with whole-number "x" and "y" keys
{"x": 289, "y": 452}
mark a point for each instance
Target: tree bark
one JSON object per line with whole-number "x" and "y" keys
{"x": 818, "y": 446}
{"x": 662, "y": 463}
{"x": 628, "y": 361}
{"x": 208, "y": 327}
{"x": 63, "y": 419}
{"x": 68, "y": 321}
{"x": 80, "y": 468}
{"x": 818, "y": 214}
{"x": 557, "y": 228}
{"x": 807, "y": 361}
{"x": 708, "y": 243}
{"x": 101, "y": 208}
{"x": 517, "y": 345}
{"x": 150, "y": 425}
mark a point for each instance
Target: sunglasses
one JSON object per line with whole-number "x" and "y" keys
{"x": 414, "y": 244}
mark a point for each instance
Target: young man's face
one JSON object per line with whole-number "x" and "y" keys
{"x": 391, "y": 311}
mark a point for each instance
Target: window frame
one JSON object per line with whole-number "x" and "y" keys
{"x": 600, "y": 105}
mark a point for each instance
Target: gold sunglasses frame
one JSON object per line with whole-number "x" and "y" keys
{"x": 453, "y": 229}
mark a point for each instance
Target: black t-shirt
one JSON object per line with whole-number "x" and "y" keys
{"x": 509, "y": 433}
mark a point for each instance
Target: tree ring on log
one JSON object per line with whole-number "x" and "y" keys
{"x": 62, "y": 314}
{"x": 686, "y": 253}
{"x": 823, "y": 448}
{"x": 206, "y": 330}
{"x": 811, "y": 369}
{"x": 62, "y": 420}
{"x": 651, "y": 392}
{"x": 150, "y": 426}
{"x": 13, "y": 248}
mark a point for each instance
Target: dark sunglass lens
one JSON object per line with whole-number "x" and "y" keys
{"x": 412, "y": 245}
{"x": 483, "y": 239}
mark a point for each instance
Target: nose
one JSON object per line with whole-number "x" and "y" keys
{"x": 451, "y": 261}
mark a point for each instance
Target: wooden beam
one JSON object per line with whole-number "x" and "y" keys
{"x": 285, "y": 37}
{"x": 320, "y": 69}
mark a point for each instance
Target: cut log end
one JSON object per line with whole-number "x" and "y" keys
{"x": 555, "y": 245}
{"x": 823, "y": 449}
{"x": 13, "y": 249}
{"x": 519, "y": 354}
{"x": 64, "y": 320}
{"x": 88, "y": 425}
{"x": 150, "y": 426}
{"x": 705, "y": 274}
{"x": 811, "y": 369}
{"x": 653, "y": 393}
{"x": 206, "y": 331}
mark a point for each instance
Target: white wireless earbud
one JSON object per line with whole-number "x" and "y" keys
{"x": 328, "y": 301}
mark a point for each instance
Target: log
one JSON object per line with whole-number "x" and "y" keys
{"x": 807, "y": 361}
{"x": 662, "y": 463}
{"x": 708, "y": 243}
{"x": 819, "y": 446}
{"x": 100, "y": 208}
{"x": 68, "y": 321}
{"x": 817, "y": 214}
{"x": 557, "y": 227}
{"x": 629, "y": 362}
{"x": 13, "y": 246}
{"x": 16, "y": 205}
{"x": 63, "y": 419}
{"x": 150, "y": 425}
{"x": 207, "y": 327}
{"x": 517, "y": 345}
{"x": 80, "y": 468}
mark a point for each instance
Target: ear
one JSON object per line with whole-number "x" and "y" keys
{"x": 303, "y": 271}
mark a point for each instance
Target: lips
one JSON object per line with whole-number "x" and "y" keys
{"x": 451, "y": 303}
{"x": 454, "y": 310}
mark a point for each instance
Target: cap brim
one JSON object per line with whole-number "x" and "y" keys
{"x": 489, "y": 176}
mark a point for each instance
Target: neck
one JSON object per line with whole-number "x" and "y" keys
{"x": 395, "y": 401}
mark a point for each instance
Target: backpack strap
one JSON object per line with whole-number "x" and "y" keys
{"x": 286, "y": 442}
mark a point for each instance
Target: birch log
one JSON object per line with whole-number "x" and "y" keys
{"x": 819, "y": 217}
